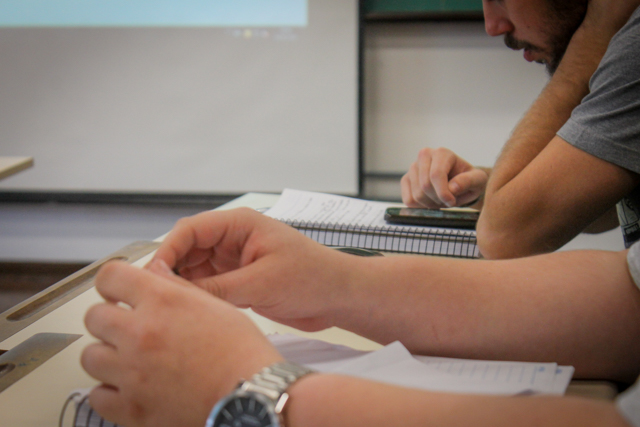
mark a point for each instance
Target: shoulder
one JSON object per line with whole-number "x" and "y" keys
{"x": 622, "y": 59}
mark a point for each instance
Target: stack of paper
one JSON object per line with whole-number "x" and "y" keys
{"x": 394, "y": 364}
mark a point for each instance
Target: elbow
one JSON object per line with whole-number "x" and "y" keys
{"x": 495, "y": 231}
{"x": 509, "y": 228}
{"x": 503, "y": 238}
{"x": 493, "y": 242}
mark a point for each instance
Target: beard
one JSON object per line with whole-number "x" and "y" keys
{"x": 564, "y": 19}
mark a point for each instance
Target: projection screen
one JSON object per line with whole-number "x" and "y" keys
{"x": 181, "y": 96}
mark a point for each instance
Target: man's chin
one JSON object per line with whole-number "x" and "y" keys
{"x": 552, "y": 64}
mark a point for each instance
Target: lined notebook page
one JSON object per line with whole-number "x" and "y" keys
{"x": 311, "y": 207}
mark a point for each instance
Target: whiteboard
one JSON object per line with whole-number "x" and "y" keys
{"x": 257, "y": 103}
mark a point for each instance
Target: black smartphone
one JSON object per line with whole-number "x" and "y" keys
{"x": 432, "y": 217}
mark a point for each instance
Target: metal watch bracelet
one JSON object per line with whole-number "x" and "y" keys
{"x": 274, "y": 380}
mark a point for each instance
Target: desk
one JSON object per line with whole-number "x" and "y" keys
{"x": 36, "y": 400}
{"x": 12, "y": 165}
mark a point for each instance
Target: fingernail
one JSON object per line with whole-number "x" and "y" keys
{"x": 160, "y": 267}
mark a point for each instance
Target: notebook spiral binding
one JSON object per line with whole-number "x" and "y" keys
{"x": 408, "y": 240}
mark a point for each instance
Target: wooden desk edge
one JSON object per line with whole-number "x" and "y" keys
{"x": 593, "y": 389}
{"x": 21, "y": 163}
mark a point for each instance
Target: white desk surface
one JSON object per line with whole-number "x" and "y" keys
{"x": 36, "y": 400}
{"x": 12, "y": 165}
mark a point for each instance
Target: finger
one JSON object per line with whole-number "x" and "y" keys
{"x": 428, "y": 179}
{"x": 442, "y": 165}
{"x": 118, "y": 281}
{"x": 204, "y": 231}
{"x": 421, "y": 188}
{"x": 243, "y": 287}
{"x": 420, "y": 193}
{"x": 160, "y": 268}
{"x": 195, "y": 257}
{"x": 412, "y": 193}
{"x": 405, "y": 191}
{"x": 108, "y": 402}
{"x": 206, "y": 269}
{"x": 107, "y": 321}
{"x": 468, "y": 186}
{"x": 179, "y": 241}
{"x": 100, "y": 361}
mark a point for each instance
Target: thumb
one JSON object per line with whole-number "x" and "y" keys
{"x": 473, "y": 181}
{"x": 215, "y": 285}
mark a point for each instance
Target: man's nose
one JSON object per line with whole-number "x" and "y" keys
{"x": 496, "y": 20}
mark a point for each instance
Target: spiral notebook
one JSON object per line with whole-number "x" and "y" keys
{"x": 348, "y": 222}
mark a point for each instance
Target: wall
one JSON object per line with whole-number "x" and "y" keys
{"x": 441, "y": 84}
{"x": 426, "y": 84}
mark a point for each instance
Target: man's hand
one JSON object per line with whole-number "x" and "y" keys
{"x": 168, "y": 350}
{"x": 439, "y": 178}
{"x": 251, "y": 260}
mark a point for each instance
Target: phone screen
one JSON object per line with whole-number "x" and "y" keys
{"x": 432, "y": 217}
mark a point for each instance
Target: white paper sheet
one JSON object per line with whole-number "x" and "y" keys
{"x": 394, "y": 364}
{"x": 328, "y": 208}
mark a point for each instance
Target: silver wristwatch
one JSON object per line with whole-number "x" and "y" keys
{"x": 259, "y": 401}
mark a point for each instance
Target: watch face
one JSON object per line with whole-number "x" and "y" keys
{"x": 245, "y": 411}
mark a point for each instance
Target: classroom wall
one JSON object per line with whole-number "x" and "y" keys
{"x": 426, "y": 84}
{"x": 441, "y": 84}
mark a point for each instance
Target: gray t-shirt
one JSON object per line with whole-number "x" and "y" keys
{"x": 628, "y": 403}
{"x": 607, "y": 122}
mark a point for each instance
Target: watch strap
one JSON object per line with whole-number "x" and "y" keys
{"x": 275, "y": 379}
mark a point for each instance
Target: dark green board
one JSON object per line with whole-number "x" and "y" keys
{"x": 423, "y": 8}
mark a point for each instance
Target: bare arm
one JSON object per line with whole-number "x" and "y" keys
{"x": 555, "y": 197}
{"x": 518, "y": 190}
{"x": 606, "y": 222}
{"x": 157, "y": 369}
{"x": 578, "y": 308}
{"x": 564, "y": 307}
{"x": 322, "y": 400}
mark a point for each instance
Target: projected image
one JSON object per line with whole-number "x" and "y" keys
{"x": 185, "y": 97}
{"x": 143, "y": 13}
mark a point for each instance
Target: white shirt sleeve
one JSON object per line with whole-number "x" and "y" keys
{"x": 628, "y": 403}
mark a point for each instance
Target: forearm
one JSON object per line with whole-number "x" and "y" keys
{"x": 517, "y": 190}
{"x": 565, "y": 307}
{"x": 606, "y": 222}
{"x": 552, "y": 108}
{"x": 561, "y": 193}
{"x": 321, "y": 400}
